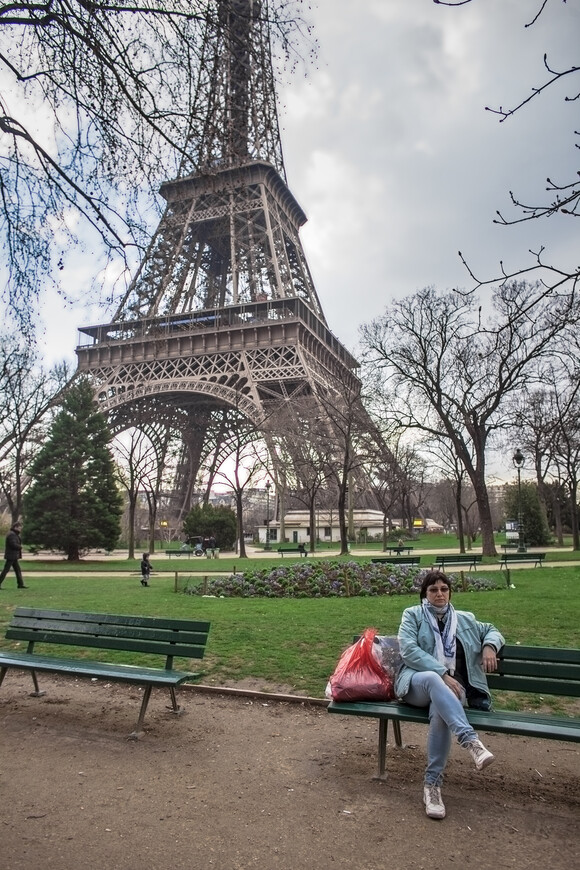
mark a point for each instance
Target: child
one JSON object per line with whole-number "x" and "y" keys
{"x": 145, "y": 569}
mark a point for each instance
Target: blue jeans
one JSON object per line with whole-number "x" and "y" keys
{"x": 446, "y": 717}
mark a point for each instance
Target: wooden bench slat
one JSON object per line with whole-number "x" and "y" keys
{"x": 102, "y": 643}
{"x": 501, "y": 721}
{"x": 540, "y": 654}
{"x": 30, "y": 628}
{"x": 105, "y": 670}
{"x": 112, "y": 619}
{"x": 546, "y": 686}
{"x": 537, "y": 670}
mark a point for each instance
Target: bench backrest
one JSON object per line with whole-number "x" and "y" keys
{"x": 545, "y": 670}
{"x": 168, "y": 637}
{"x": 537, "y": 669}
{"x": 467, "y": 557}
{"x": 525, "y": 557}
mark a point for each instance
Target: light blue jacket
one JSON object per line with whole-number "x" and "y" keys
{"x": 417, "y": 647}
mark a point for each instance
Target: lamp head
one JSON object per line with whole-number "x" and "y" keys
{"x": 518, "y": 458}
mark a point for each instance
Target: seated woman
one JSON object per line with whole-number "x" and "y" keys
{"x": 446, "y": 654}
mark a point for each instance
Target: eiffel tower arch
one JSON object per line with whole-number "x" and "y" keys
{"x": 221, "y": 321}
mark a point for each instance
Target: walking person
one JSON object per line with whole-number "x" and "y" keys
{"x": 145, "y": 569}
{"x": 12, "y": 554}
{"x": 446, "y": 654}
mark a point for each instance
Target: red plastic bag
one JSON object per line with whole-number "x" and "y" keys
{"x": 359, "y": 676}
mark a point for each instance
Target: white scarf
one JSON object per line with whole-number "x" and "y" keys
{"x": 445, "y": 641}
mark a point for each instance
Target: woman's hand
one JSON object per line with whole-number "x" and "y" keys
{"x": 489, "y": 659}
{"x": 455, "y": 686}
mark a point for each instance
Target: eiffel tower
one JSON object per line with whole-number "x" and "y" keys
{"x": 222, "y": 318}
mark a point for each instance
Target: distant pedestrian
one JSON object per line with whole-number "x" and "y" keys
{"x": 145, "y": 569}
{"x": 12, "y": 554}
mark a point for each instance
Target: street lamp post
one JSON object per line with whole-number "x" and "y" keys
{"x": 518, "y": 460}
{"x": 267, "y": 546}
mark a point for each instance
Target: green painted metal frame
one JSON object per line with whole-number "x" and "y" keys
{"x": 153, "y": 635}
{"x": 532, "y": 670}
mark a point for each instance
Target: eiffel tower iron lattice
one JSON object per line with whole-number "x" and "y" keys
{"x": 222, "y": 320}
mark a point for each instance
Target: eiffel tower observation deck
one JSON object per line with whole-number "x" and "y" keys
{"x": 222, "y": 317}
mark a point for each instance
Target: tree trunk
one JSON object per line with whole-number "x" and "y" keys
{"x": 459, "y": 509}
{"x": 312, "y": 513}
{"x": 342, "y": 522}
{"x": 240, "y": 518}
{"x": 485, "y": 519}
{"x": 131, "y": 530}
{"x": 574, "y": 514}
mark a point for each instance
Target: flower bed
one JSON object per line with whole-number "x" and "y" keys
{"x": 329, "y": 579}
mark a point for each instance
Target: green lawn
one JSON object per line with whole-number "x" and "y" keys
{"x": 296, "y": 643}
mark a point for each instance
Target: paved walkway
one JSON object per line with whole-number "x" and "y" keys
{"x": 212, "y": 566}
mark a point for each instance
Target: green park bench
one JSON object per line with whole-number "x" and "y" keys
{"x": 471, "y": 559}
{"x": 523, "y": 669}
{"x": 397, "y": 560}
{"x": 509, "y": 558}
{"x": 302, "y": 551}
{"x": 169, "y": 638}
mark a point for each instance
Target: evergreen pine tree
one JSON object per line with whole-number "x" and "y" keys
{"x": 73, "y": 503}
{"x": 536, "y": 532}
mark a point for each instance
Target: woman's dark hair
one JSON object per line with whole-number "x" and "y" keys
{"x": 430, "y": 578}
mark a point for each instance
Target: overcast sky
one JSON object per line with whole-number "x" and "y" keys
{"x": 397, "y": 164}
{"x": 392, "y": 156}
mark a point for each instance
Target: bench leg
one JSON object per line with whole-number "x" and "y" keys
{"x": 383, "y": 732}
{"x": 134, "y": 735}
{"x": 37, "y": 692}
{"x": 175, "y": 708}
{"x": 383, "y": 728}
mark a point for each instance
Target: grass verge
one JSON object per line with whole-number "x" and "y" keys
{"x": 295, "y": 644}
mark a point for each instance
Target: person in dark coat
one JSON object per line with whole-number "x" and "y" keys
{"x": 12, "y": 554}
{"x": 145, "y": 569}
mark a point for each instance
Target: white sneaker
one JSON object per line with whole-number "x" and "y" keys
{"x": 482, "y": 756}
{"x": 434, "y": 806}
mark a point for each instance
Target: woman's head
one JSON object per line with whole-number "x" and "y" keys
{"x": 435, "y": 584}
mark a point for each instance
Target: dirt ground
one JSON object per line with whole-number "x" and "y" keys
{"x": 240, "y": 782}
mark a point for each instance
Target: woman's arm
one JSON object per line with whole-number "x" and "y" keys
{"x": 413, "y": 654}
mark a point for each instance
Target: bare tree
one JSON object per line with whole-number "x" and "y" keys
{"x": 452, "y": 375}
{"x": 304, "y": 454}
{"x": 350, "y": 436}
{"x": 246, "y": 466}
{"x": 136, "y": 463}
{"x": 27, "y": 394}
{"x": 99, "y": 103}
{"x": 547, "y": 428}
{"x": 563, "y": 195}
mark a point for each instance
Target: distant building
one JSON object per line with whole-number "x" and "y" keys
{"x": 368, "y": 525}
